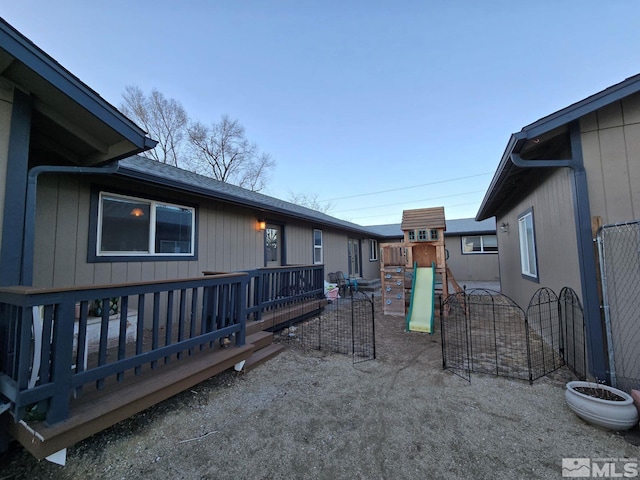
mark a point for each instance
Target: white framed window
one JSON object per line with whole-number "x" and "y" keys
{"x": 317, "y": 247}
{"x": 373, "y": 250}
{"x": 479, "y": 244}
{"x": 130, "y": 226}
{"x": 528, "y": 257}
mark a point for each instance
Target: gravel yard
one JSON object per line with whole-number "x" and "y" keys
{"x": 316, "y": 415}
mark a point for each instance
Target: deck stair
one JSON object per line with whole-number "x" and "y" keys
{"x": 98, "y": 410}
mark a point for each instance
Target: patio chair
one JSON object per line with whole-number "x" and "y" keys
{"x": 349, "y": 283}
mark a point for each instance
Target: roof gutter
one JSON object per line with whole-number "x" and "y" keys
{"x": 26, "y": 276}
{"x": 582, "y": 218}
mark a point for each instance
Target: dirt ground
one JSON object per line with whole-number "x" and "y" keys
{"x": 310, "y": 415}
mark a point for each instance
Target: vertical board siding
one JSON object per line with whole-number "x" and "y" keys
{"x": 611, "y": 149}
{"x": 555, "y": 235}
{"x": 227, "y": 238}
{"x": 475, "y": 266}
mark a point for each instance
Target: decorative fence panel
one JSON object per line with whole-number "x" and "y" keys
{"x": 619, "y": 251}
{"x": 486, "y": 332}
{"x": 345, "y": 326}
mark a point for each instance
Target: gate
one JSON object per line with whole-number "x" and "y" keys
{"x": 345, "y": 326}
{"x": 619, "y": 252}
{"x": 485, "y": 331}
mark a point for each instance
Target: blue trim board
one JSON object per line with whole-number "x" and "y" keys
{"x": 13, "y": 220}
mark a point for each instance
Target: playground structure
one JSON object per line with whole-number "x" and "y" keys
{"x": 413, "y": 270}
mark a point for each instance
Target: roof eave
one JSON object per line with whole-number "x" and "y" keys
{"x": 26, "y": 52}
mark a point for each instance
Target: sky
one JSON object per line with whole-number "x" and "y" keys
{"x": 370, "y": 106}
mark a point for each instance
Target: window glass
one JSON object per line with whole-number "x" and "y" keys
{"x": 422, "y": 235}
{"x": 489, "y": 243}
{"x": 132, "y": 226}
{"x": 271, "y": 243}
{"x": 412, "y": 235}
{"x": 373, "y": 250}
{"x": 173, "y": 229}
{"x": 479, "y": 244}
{"x": 317, "y": 246}
{"x": 526, "y": 232}
{"x": 125, "y": 225}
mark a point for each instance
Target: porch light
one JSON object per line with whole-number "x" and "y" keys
{"x": 137, "y": 212}
{"x": 262, "y": 225}
{"x": 504, "y": 227}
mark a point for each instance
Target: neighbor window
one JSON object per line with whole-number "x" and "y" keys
{"x": 317, "y": 246}
{"x": 479, "y": 244}
{"x": 373, "y": 250}
{"x": 526, "y": 231}
{"x": 138, "y": 227}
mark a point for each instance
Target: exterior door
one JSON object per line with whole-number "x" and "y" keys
{"x": 273, "y": 246}
{"x": 354, "y": 257}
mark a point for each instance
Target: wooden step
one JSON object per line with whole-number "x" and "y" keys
{"x": 98, "y": 410}
{"x": 260, "y": 340}
{"x": 263, "y": 355}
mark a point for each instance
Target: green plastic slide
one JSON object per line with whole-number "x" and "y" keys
{"x": 420, "y": 317}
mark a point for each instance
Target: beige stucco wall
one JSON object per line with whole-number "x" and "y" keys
{"x": 555, "y": 235}
{"x": 6, "y": 106}
{"x": 470, "y": 267}
{"x": 228, "y": 238}
{"x": 611, "y": 150}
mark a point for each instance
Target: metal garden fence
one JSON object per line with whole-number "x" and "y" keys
{"x": 484, "y": 331}
{"x": 345, "y": 326}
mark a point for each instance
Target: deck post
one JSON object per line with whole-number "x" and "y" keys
{"x": 241, "y": 310}
{"x": 62, "y": 358}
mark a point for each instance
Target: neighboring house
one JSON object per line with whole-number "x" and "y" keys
{"x": 471, "y": 246}
{"x": 556, "y": 175}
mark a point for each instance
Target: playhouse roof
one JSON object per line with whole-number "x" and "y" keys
{"x": 423, "y": 218}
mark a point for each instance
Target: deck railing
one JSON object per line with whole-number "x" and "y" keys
{"x": 277, "y": 287}
{"x": 55, "y": 341}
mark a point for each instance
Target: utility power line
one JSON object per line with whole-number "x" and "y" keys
{"x": 405, "y": 203}
{"x": 406, "y": 188}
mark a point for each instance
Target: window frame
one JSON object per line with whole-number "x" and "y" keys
{"x": 482, "y": 251}
{"x": 524, "y": 246}
{"x": 94, "y": 255}
{"x": 317, "y": 248}
{"x": 373, "y": 250}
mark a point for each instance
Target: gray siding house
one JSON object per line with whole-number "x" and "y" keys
{"x": 86, "y": 229}
{"x": 64, "y": 196}
{"x": 558, "y": 179}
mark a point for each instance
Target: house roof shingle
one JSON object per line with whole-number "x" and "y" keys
{"x": 144, "y": 169}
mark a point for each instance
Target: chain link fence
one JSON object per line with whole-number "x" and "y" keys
{"x": 619, "y": 252}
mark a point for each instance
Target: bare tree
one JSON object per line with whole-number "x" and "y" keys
{"x": 310, "y": 200}
{"x": 224, "y": 153}
{"x": 164, "y": 119}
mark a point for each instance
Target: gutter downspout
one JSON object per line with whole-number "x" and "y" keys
{"x": 26, "y": 275}
{"x": 587, "y": 264}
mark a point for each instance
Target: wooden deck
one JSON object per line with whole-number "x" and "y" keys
{"x": 96, "y": 410}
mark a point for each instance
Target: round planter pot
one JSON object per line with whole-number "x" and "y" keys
{"x": 609, "y": 414}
